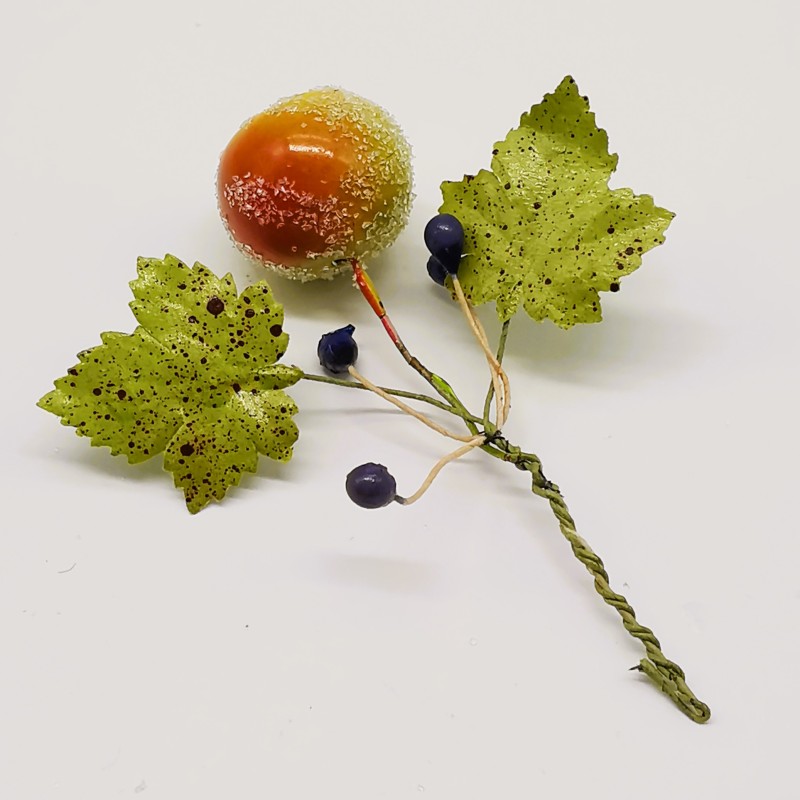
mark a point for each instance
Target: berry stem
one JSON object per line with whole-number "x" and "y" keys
{"x": 472, "y": 443}
{"x": 501, "y": 388}
{"x": 459, "y": 411}
{"x": 501, "y": 349}
{"x": 407, "y": 409}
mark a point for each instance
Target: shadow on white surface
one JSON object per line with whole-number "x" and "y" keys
{"x": 393, "y": 575}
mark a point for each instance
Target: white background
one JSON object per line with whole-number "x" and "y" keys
{"x": 287, "y": 644}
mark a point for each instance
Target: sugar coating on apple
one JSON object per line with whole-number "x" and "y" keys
{"x": 315, "y": 180}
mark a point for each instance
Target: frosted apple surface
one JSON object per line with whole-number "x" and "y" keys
{"x": 316, "y": 179}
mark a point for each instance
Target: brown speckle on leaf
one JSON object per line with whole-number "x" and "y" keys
{"x": 215, "y": 306}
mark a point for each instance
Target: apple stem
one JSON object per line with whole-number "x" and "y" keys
{"x": 370, "y": 293}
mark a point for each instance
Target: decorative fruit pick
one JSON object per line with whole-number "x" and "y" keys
{"x": 311, "y": 186}
{"x": 316, "y": 179}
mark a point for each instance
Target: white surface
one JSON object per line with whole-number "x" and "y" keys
{"x": 289, "y": 645}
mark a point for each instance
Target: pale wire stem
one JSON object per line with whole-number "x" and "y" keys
{"x": 665, "y": 674}
{"x": 501, "y": 349}
{"x": 406, "y": 408}
{"x": 474, "y": 442}
{"x": 502, "y": 395}
{"x": 497, "y": 362}
{"x": 480, "y": 335}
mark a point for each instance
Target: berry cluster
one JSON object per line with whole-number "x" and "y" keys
{"x": 444, "y": 238}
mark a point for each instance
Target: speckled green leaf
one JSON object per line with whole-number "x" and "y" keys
{"x": 543, "y": 229}
{"x": 198, "y": 374}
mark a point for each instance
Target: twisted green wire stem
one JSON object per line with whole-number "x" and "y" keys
{"x": 665, "y": 674}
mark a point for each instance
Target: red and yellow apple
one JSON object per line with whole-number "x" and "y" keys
{"x": 315, "y": 180}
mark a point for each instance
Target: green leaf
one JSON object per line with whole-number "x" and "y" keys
{"x": 197, "y": 380}
{"x": 542, "y": 229}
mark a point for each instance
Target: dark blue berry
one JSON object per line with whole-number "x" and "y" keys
{"x": 338, "y": 350}
{"x": 371, "y": 486}
{"x": 436, "y": 270}
{"x": 444, "y": 237}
